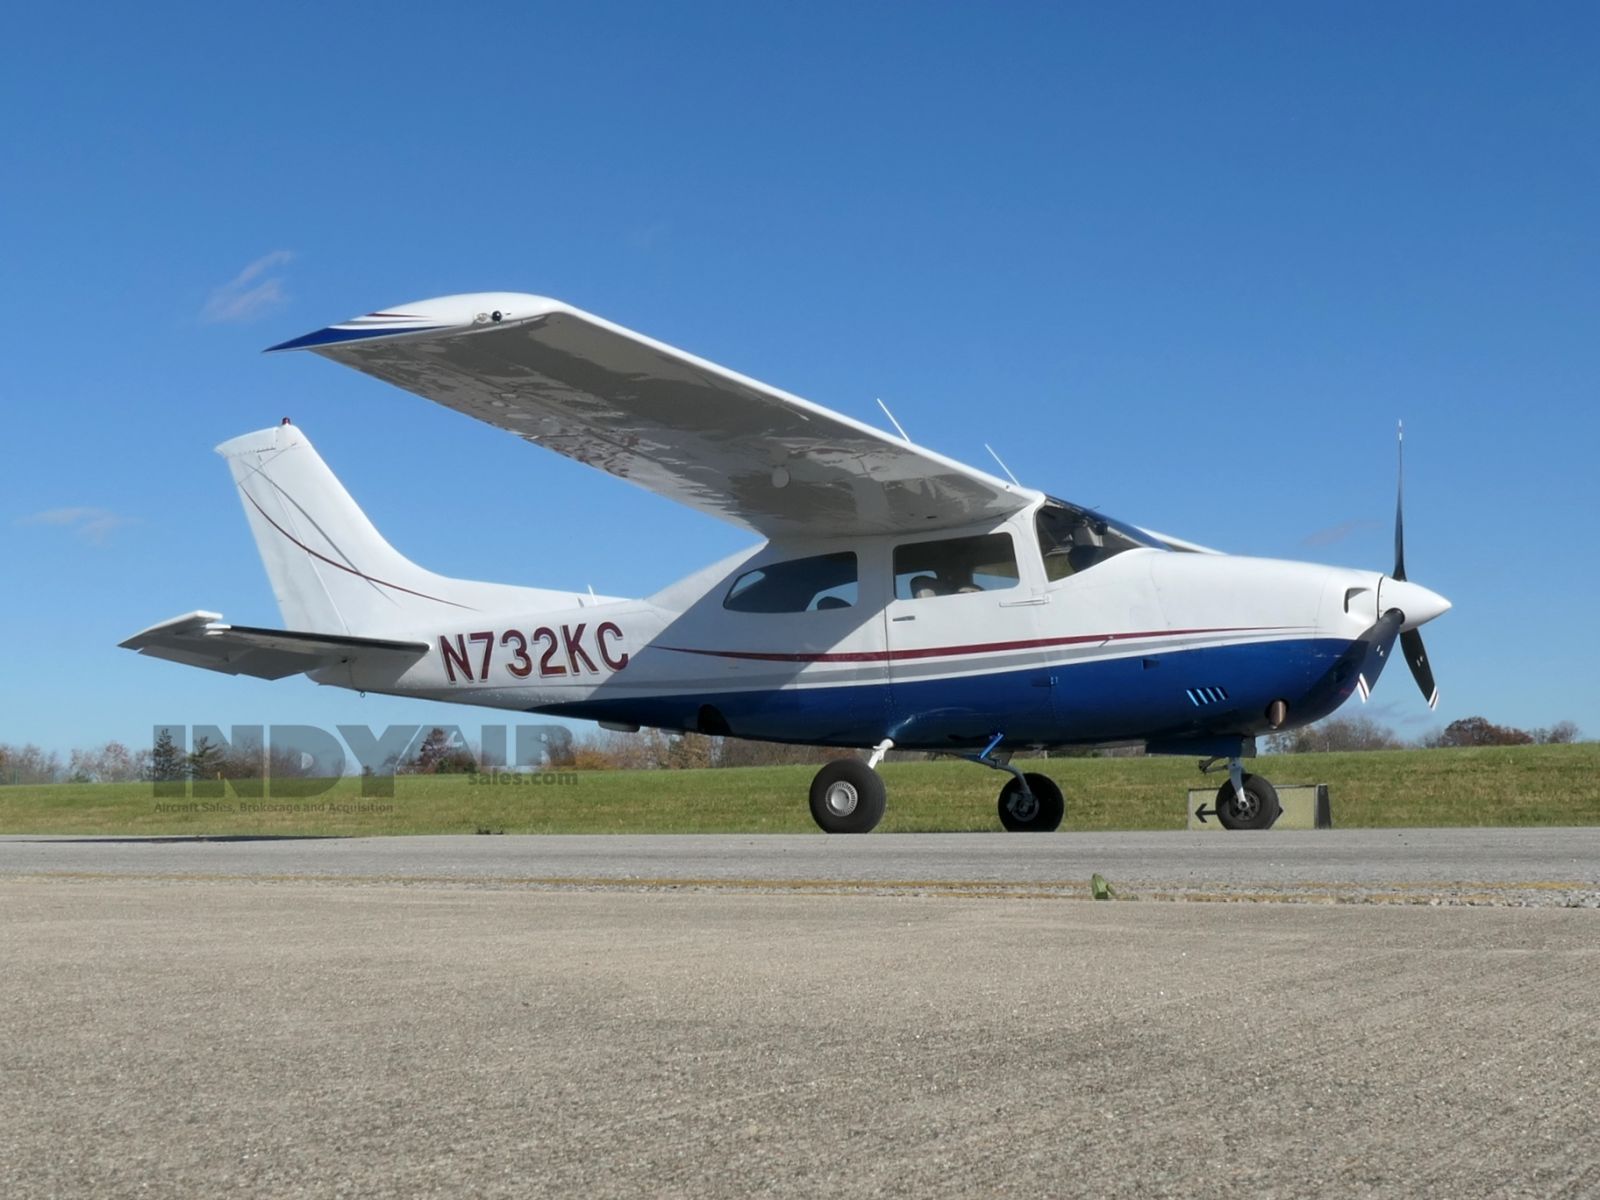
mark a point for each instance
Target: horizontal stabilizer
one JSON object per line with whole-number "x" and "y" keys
{"x": 203, "y": 639}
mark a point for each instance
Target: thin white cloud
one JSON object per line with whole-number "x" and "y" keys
{"x": 93, "y": 525}
{"x": 647, "y": 237}
{"x": 1337, "y": 533}
{"x": 251, "y": 293}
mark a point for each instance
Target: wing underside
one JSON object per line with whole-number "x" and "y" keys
{"x": 663, "y": 419}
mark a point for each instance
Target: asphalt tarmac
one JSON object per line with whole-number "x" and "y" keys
{"x": 909, "y": 1016}
{"x": 1555, "y": 867}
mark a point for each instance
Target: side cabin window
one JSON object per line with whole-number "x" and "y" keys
{"x": 823, "y": 581}
{"x": 954, "y": 566}
{"x": 1073, "y": 539}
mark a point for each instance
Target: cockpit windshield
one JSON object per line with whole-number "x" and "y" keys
{"x": 1073, "y": 539}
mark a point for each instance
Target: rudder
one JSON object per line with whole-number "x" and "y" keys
{"x": 330, "y": 568}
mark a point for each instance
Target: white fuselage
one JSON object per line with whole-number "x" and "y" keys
{"x": 1148, "y": 644}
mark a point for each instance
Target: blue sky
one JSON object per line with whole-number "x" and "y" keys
{"x": 1186, "y": 263}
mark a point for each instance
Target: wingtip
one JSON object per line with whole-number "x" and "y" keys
{"x": 188, "y": 622}
{"x": 468, "y": 311}
{"x": 335, "y": 335}
{"x": 303, "y": 342}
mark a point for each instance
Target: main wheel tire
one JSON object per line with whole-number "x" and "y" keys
{"x": 1259, "y": 810}
{"x": 847, "y": 797}
{"x": 1039, "y": 810}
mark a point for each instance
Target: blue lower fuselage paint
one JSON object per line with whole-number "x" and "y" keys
{"x": 1128, "y": 698}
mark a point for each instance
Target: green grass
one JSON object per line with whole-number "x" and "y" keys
{"x": 1527, "y": 785}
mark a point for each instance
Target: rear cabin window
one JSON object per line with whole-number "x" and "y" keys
{"x": 824, "y": 581}
{"x": 954, "y": 566}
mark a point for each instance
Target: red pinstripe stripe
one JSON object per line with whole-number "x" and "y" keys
{"x": 973, "y": 648}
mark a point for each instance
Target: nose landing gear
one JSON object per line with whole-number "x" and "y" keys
{"x": 1245, "y": 801}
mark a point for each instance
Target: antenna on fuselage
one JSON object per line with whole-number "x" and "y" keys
{"x": 898, "y": 427}
{"x": 1002, "y": 463}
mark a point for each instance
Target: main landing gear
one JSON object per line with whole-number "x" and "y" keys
{"x": 847, "y": 795}
{"x": 1029, "y": 803}
{"x": 1245, "y": 801}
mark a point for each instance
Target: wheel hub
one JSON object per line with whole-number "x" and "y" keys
{"x": 841, "y": 798}
{"x": 1024, "y": 806}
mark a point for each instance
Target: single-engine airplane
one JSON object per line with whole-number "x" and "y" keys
{"x": 899, "y": 598}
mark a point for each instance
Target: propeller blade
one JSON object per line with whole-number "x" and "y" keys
{"x": 1417, "y": 659}
{"x": 1411, "y": 646}
{"x": 1379, "y": 641}
{"x": 1399, "y": 571}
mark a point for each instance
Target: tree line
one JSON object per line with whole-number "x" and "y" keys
{"x": 441, "y": 752}
{"x": 163, "y": 762}
{"x": 1363, "y": 733}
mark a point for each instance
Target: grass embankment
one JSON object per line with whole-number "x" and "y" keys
{"x": 1528, "y": 785}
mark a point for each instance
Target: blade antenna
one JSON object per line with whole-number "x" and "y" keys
{"x": 1399, "y": 572}
{"x": 1002, "y": 463}
{"x": 898, "y": 428}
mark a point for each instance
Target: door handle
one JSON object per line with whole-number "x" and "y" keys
{"x": 912, "y": 617}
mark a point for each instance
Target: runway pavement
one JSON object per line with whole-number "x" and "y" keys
{"x": 908, "y": 1016}
{"x": 1555, "y": 867}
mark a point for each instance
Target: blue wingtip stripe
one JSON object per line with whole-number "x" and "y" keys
{"x": 333, "y": 335}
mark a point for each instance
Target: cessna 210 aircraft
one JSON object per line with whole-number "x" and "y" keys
{"x": 898, "y": 599}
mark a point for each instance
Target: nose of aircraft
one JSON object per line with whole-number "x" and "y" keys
{"x": 1419, "y": 604}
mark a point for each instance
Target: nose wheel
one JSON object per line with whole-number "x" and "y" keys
{"x": 1252, "y": 804}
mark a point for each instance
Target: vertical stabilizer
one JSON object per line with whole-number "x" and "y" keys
{"x": 331, "y": 570}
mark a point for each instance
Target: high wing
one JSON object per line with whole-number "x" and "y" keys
{"x": 663, "y": 419}
{"x": 202, "y": 639}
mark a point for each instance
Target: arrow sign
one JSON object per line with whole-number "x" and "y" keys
{"x": 1203, "y": 812}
